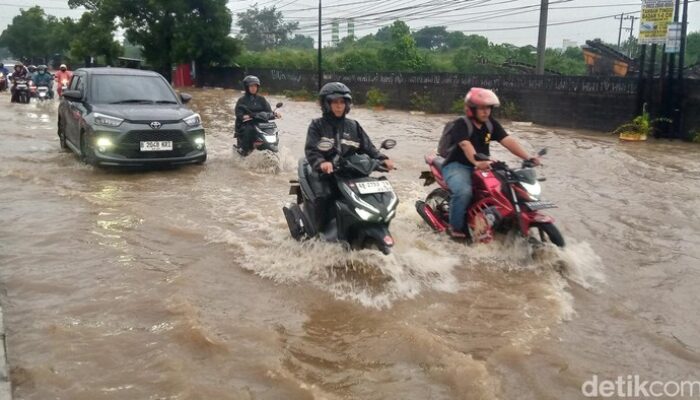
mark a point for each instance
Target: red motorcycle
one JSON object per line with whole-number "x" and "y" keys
{"x": 504, "y": 200}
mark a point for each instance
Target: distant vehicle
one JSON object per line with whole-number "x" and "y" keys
{"x": 128, "y": 117}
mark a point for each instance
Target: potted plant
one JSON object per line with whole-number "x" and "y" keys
{"x": 640, "y": 128}
{"x": 376, "y": 99}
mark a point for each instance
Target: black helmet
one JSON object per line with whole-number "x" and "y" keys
{"x": 250, "y": 80}
{"x": 42, "y": 67}
{"x": 32, "y": 68}
{"x": 334, "y": 90}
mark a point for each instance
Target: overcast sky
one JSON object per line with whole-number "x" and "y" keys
{"x": 512, "y": 21}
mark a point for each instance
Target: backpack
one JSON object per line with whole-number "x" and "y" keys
{"x": 446, "y": 143}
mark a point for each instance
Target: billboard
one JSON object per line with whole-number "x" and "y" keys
{"x": 656, "y": 16}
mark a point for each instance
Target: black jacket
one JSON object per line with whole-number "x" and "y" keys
{"x": 253, "y": 105}
{"x": 346, "y": 133}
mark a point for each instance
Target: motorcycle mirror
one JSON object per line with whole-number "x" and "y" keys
{"x": 325, "y": 145}
{"x": 279, "y": 105}
{"x": 185, "y": 97}
{"x": 388, "y": 144}
{"x": 542, "y": 152}
{"x": 481, "y": 157}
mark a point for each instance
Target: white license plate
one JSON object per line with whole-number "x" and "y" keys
{"x": 373, "y": 187}
{"x": 157, "y": 146}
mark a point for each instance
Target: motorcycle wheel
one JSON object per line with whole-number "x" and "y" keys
{"x": 549, "y": 232}
{"x": 436, "y": 198}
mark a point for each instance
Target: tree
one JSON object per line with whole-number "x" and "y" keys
{"x": 431, "y": 37}
{"x": 264, "y": 29}
{"x": 95, "y": 38}
{"x": 30, "y": 36}
{"x": 402, "y": 54}
{"x": 300, "y": 42}
{"x": 172, "y": 31}
{"x": 692, "y": 48}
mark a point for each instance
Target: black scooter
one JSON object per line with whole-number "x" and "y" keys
{"x": 267, "y": 138}
{"x": 362, "y": 210}
{"x": 21, "y": 93}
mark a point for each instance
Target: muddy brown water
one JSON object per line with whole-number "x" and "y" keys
{"x": 184, "y": 283}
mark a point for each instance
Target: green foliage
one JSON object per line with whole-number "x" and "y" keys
{"x": 282, "y": 59}
{"x": 510, "y": 111}
{"x": 95, "y": 39}
{"x": 376, "y": 97}
{"x": 31, "y": 35}
{"x": 458, "y": 106}
{"x": 402, "y": 54}
{"x": 300, "y": 42}
{"x": 431, "y": 37}
{"x": 692, "y": 48}
{"x": 641, "y": 125}
{"x": 358, "y": 60}
{"x": 423, "y": 102}
{"x": 695, "y": 136}
{"x": 264, "y": 29}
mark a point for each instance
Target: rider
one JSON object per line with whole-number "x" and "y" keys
{"x": 19, "y": 73}
{"x": 249, "y": 106}
{"x": 42, "y": 77}
{"x": 63, "y": 76}
{"x": 31, "y": 69}
{"x": 460, "y": 164}
{"x": 346, "y": 133}
{"x": 4, "y": 71}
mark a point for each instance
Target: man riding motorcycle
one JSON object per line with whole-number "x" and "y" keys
{"x": 346, "y": 133}
{"x": 3, "y": 76}
{"x": 247, "y": 107}
{"x": 461, "y": 161}
{"x": 63, "y": 77}
{"x": 18, "y": 74}
{"x": 43, "y": 78}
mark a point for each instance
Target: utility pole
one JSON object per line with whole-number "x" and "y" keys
{"x": 684, "y": 38}
{"x": 542, "y": 38}
{"x": 320, "y": 46}
{"x": 632, "y": 18}
{"x": 619, "y": 34}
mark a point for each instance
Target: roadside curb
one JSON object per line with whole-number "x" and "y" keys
{"x": 5, "y": 386}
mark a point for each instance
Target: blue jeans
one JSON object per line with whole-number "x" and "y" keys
{"x": 459, "y": 179}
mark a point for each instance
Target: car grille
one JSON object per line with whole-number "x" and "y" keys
{"x": 130, "y": 144}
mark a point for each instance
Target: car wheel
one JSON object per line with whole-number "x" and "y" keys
{"x": 62, "y": 135}
{"x": 87, "y": 154}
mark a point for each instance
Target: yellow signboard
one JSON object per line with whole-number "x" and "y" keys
{"x": 656, "y": 15}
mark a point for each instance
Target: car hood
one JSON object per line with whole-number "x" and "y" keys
{"x": 144, "y": 112}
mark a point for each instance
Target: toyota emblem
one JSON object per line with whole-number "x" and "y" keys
{"x": 156, "y": 125}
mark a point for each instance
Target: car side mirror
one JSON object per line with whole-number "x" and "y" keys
{"x": 325, "y": 145}
{"x": 73, "y": 95}
{"x": 542, "y": 152}
{"x": 388, "y": 144}
{"x": 279, "y": 105}
{"x": 185, "y": 97}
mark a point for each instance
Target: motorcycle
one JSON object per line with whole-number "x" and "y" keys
{"x": 42, "y": 93}
{"x": 267, "y": 134}
{"x": 504, "y": 200}
{"x": 363, "y": 208}
{"x": 21, "y": 94}
{"x": 63, "y": 86}
{"x": 3, "y": 82}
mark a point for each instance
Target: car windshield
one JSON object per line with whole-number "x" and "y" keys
{"x": 124, "y": 89}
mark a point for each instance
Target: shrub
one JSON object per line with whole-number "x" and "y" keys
{"x": 376, "y": 97}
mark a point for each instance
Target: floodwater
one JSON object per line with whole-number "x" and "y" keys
{"x": 184, "y": 283}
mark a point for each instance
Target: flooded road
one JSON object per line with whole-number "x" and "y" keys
{"x": 184, "y": 283}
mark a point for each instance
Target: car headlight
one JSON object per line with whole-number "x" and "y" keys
{"x": 106, "y": 120}
{"x": 193, "y": 120}
{"x": 365, "y": 215}
{"x": 199, "y": 143}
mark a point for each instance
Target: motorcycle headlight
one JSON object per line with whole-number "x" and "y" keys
{"x": 533, "y": 190}
{"x": 106, "y": 120}
{"x": 365, "y": 215}
{"x": 193, "y": 120}
{"x": 270, "y": 138}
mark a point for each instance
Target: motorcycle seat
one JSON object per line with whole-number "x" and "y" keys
{"x": 435, "y": 160}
